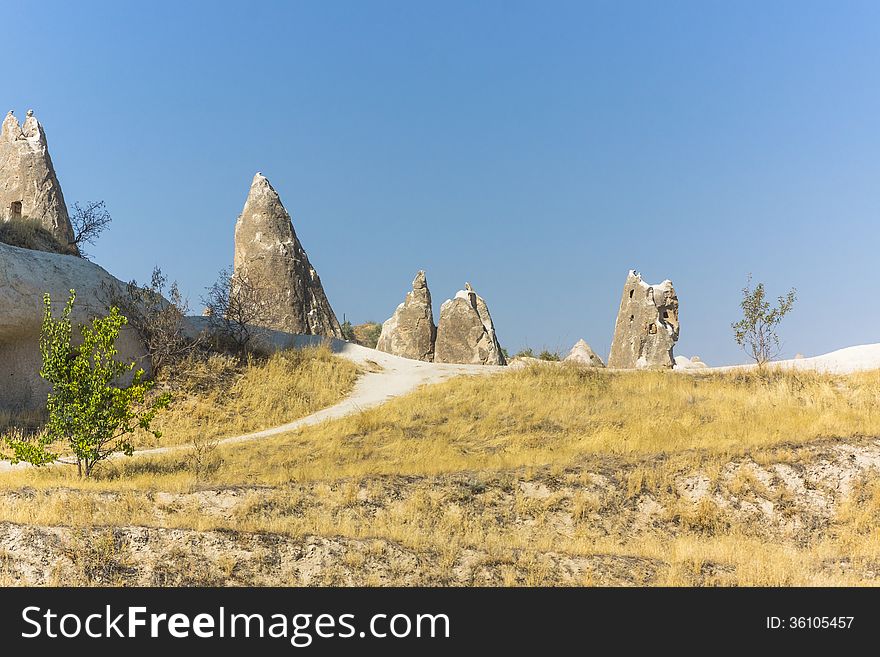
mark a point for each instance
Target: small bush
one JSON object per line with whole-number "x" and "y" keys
{"x": 159, "y": 321}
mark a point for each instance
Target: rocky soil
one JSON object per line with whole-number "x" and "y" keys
{"x": 517, "y": 527}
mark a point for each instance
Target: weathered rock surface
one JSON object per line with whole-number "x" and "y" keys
{"x": 267, "y": 249}
{"x": 465, "y": 332}
{"x": 25, "y": 276}
{"x": 411, "y": 332}
{"x": 29, "y": 188}
{"x": 582, "y": 353}
{"x": 647, "y": 325}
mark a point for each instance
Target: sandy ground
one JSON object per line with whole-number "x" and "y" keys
{"x": 843, "y": 361}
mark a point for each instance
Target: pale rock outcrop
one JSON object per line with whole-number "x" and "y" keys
{"x": 411, "y": 332}
{"x": 647, "y": 325}
{"x": 524, "y": 362}
{"x": 268, "y": 250}
{"x": 25, "y": 276}
{"x": 583, "y": 354}
{"x": 685, "y": 363}
{"x": 29, "y": 188}
{"x": 465, "y": 332}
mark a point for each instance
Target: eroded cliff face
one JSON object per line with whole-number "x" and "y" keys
{"x": 647, "y": 325}
{"x": 29, "y": 188}
{"x": 268, "y": 250}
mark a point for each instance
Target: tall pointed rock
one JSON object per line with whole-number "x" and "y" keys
{"x": 466, "y": 333}
{"x": 29, "y": 188}
{"x": 410, "y": 332}
{"x": 267, "y": 249}
{"x": 647, "y": 325}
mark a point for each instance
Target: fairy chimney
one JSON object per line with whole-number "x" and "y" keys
{"x": 267, "y": 250}
{"x": 29, "y": 188}
{"x": 647, "y": 325}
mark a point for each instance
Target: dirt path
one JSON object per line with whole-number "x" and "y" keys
{"x": 386, "y": 377}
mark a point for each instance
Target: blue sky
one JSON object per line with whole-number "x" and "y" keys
{"x": 538, "y": 150}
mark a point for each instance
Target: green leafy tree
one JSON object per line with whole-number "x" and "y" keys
{"x": 756, "y": 331}
{"x": 89, "y": 406}
{"x": 348, "y": 332}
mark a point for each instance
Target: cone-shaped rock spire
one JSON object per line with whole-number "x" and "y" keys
{"x": 410, "y": 332}
{"x": 267, "y": 249}
{"x": 583, "y": 354}
{"x": 29, "y": 188}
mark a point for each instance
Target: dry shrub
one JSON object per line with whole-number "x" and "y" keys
{"x": 29, "y": 234}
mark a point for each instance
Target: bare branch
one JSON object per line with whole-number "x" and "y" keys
{"x": 89, "y": 221}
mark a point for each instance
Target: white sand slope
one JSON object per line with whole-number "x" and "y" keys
{"x": 843, "y": 361}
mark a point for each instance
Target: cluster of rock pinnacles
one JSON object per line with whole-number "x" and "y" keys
{"x": 464, "y": 334}
{"x": 267, "y": 248}
{"x": 644, "y": 336}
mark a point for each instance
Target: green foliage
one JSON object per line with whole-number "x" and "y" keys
{"x": 89, "y": 407}
{"x": 526, "y": 352}
{"x": 756, "y": 331}
{"x": 348, "y": 332}
{"x": 546, "y": 354}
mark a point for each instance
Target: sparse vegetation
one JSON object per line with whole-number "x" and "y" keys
{"x": 237, "y": 304}
{"x": 219, "y": 396}
{"x": 559, "y": 476}
{"x": 756, "y": 331}
{"x": 88, "y": 221}
{"x": 367, "y": 334}
{"x": 158, "y": 312}
{"x": 29, "y": 234}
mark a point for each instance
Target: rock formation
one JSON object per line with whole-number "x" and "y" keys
{"x": 29, "y": 188}
{"x": 685, "y": 363}
{"x": 269, "y": 254}
{"x": 465, "y": 332}
{"x": 647, "y": 325}
{"x": 410, "y": 332}
{"x": 25, "y": 276}
{"x": 582, "y": 353}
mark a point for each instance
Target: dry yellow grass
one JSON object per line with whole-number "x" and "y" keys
{"x": 540, "y": 476}
{"x": 545, "y": 416}
{"x": 218, "y": 398}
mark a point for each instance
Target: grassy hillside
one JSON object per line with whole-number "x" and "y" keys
{"x": 541, "y": 476}
{"x": 217, "y": 397}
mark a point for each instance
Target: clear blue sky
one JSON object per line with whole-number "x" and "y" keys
{"x": 538, "y": 150}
